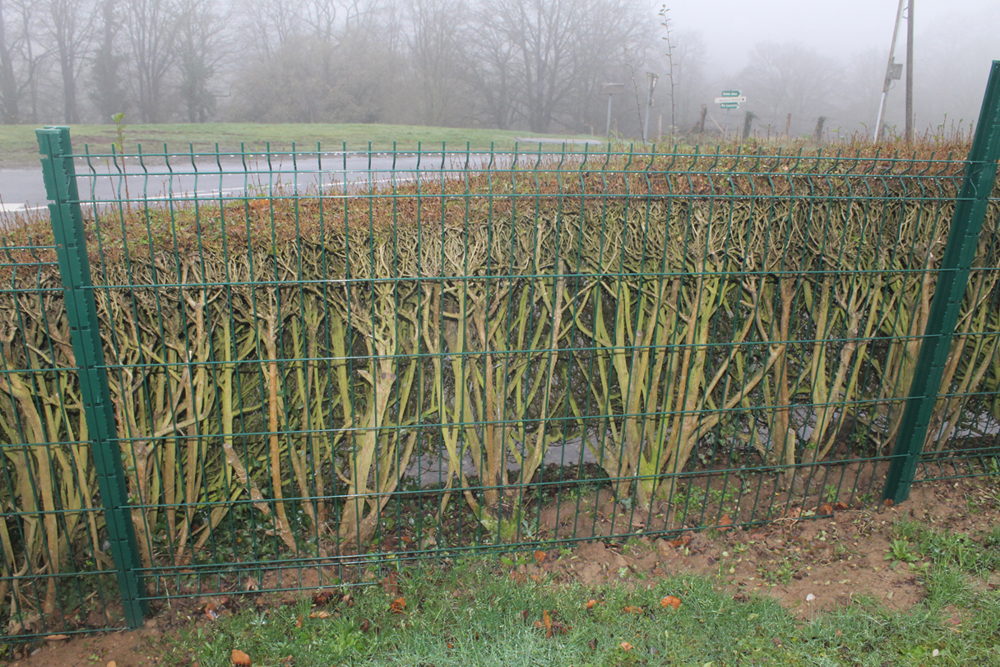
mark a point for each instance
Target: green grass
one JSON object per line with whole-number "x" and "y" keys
{"x": 18, "y": 147}
{"x": 473, "y": 614}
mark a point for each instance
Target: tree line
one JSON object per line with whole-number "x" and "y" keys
{"x": 537, "y": 65}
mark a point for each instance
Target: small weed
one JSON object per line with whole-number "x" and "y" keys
{"x": 830, "y": 493}
{"x": 900, "y": 552}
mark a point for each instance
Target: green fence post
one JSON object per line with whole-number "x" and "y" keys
{"x": 81, "y": 311}
{"x": 970, "y": 212}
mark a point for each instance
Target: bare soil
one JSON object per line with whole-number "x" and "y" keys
{"x": 809, "y": 565}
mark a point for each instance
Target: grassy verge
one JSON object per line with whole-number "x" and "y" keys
{"x": 484, "y": 613}
{"x": 18, "y": 146}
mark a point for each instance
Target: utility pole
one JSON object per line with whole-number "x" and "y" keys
{"x": 909, "y": 71}
{"x": 892, "y": 73}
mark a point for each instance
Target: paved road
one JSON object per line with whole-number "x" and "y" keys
{"x": 230, "y": 176}
{"x": 23, "y": 189}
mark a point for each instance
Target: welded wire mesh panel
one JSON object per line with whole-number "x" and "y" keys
{"x": 964, "y": 435}
{"x": 324, "y": 360}
{"x": 56, "y": 573}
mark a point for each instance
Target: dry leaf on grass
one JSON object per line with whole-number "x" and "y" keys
{"x": 725, "y": 523}
{"x": 591, "y": 603}
{"x": 212, "y": 609}
{"x": 240, "y": 659}
{"x": 322, "y": 613}
{"x": 322, "y": 598}
{"x": 626, "y": 646}
{"x": 539, "y": 557}
{"x": 670, "y": 601}
{"x": 391, "y": 584}
{"x": 632, "y": 609}
{"x": 398, "y": 606}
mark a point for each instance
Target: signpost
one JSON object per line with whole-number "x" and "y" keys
{"x": 731, "y": 99}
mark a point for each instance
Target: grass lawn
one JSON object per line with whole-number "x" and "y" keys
{"x": 913, "y": 585}
{"x": 473, "y": 615}
{"x": 18, "y": 147}
{"x": 487, "y": 613}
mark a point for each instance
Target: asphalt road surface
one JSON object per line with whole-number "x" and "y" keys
{"x": 231, "y": 177}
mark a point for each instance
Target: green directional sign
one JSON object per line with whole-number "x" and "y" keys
{"x": 730, "y": 93}
{"x": 730, "y": 105}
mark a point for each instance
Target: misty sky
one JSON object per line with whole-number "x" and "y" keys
{"x": 833, "y": 27}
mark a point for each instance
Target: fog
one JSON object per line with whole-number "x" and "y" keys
{"x": 531, "y": 65}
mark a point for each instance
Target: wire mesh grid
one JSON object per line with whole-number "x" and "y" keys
{"x": 322, "y": 362}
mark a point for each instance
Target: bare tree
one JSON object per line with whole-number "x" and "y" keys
{"x": 269, "y": 25}
{"x": 202, "y": 46}
{"x": 69, "y": 33}
{"x": 107, "y": 75}
{"x": 548, "y": 51}
{"x": 19, "y": 61}
{"x": 435, "y": 49}
{"x": 151, "y": 29}
{"x": 783, "y": 79}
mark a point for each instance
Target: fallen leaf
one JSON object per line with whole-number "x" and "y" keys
{"x": 547, "y": 622}
{"x": 212, "y": 609}
{"x": 111, "y": 663}
{"x": 347, "y": 599}
{"x": 251, "y": 585}
{"x": 592, "y": 644}
{"x": 682, "y": 541}
{"x": 888, "y": 502}
{"x": 56, "y": 638}
{"x": 626, "y": 646}
{"x": 539, "y": 557}
{"x": 591, "y": 603}
{"x": 524, "y": 614}
{"x": 288, "y": 661}
{"x": 449, "y": 645}
{"x": 630, "y": 609}
{"x": 240, "y": 659}
{"x": 670, "y": 601}
{"x": 840, "y": 507}
{"x": 365, "y": 625}
{"x": 398, "y": 606}
{"x": 322, "y": 598}
{"x": 322, "y": 613}
{"x": 825, "y": 508}
{"x": 725, "y": 523}
{"x": 298, "y": 622}
{"x": 391, "y": 584}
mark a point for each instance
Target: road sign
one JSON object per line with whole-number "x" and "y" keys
{"x": 727, "y": 100}
{"x": 729, "y": 105}
{"x": 730, "y": 93}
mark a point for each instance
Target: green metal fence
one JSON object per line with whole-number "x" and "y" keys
{"x": 228, "y": 372}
